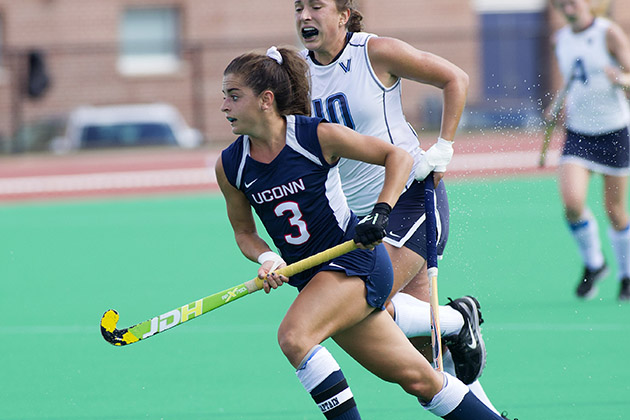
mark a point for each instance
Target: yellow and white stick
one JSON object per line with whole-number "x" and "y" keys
{"x": 199, "y": 307}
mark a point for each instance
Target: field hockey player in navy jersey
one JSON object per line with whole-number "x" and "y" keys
{"x": 284, "y": 166}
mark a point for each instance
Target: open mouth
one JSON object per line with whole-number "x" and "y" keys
{"x": 230, "y": 119}
{"x": 309, "y": 33}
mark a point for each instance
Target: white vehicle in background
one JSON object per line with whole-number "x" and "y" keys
{"x": 94, "y": 127}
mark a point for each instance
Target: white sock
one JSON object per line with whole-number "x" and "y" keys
{"x": 448, "y": 398}
{"x": 620, "y": 241}
{"x": 413, "y": 316}
{"x": 316, "y": 366}
{"x": 586, "y": 235}
{"x": 475, "y": 387}
{"x": 447, "y": 361}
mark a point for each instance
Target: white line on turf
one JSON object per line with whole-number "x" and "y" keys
{"x": 107, "y": 181}
{"x": 466, "y": 163}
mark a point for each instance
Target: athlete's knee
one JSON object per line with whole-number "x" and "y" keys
{"x": 619, "y": 222}
{"x": 293, "y": 343}
{"x": 423, "y": 387}
{"x": 617, "y": 214}
{"x": 573, "y": 211}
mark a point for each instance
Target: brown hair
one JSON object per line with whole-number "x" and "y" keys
{"x": 288, "y": 81}
{"x": 355, "y": 22}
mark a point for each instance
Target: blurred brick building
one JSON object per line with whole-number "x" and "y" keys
{"x": 135, "y": 51}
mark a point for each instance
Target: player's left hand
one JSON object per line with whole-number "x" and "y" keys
{"x": 618, "y": 78}
{"x": 371, "y": 229}
{"x": 274, "y": 280}
{"x": 267, "y": 272}
{"x": 613, "y": 75}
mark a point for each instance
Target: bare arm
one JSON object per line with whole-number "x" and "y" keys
{"x": 393, "y": 59}
{"x": 241, "y": 217}
{"x": 553, "y": 109}
{"x": 338, "y": 141}
{"x": 619, "y": 47}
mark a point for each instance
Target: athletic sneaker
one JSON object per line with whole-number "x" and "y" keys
{"x": 504, "y": 416}
{"x": 587, "y": 288}
{"x": 468, "y": 348}
{"x": 624, "y": 291}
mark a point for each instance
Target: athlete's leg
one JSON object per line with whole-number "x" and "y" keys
{"x": 379, "y": 346}
{"x": 413, "y": 314}
{"x": 321, "y": 376}
{"x": 406, "y": 246}
{"x": 340, "y": 303}
{"x": 615, "y": 193}
{"x": 407, "y": 265}
{"x": 574, "y": 181}
{"x": 411, "y": 308}
{"x": 418, "y": 286}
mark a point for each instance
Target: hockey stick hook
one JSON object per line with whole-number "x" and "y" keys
{"x": 113, "y": 335}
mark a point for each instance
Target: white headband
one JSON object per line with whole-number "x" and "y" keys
{"x": 274, "y": 54}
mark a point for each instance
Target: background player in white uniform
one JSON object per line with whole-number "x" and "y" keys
{"x": 356, "y": 81}
{"x": 285, "y": 167}
{"x": 591, "y": 53}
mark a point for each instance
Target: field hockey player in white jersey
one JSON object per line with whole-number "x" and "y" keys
{"x": 284, "y": 165}
{"x": 356, "y": 81}
{"x": 593, "y": 54}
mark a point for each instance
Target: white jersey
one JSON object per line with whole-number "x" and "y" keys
{"x": 593, "y": 104}
{"x": 348, "y": 92}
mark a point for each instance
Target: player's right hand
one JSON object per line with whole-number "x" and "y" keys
{"x": 435, "y": 159}
{"x": 371, "y": 229}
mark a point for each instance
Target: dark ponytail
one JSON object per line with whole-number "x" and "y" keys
{"x": 355, "y": 22}
{"x": 289, "y": 81}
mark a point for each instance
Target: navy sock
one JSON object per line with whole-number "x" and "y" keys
{"x": 471, "y": 409}
{"x": 334, "y": 398}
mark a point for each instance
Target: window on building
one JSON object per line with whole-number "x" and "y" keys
{"x": 149, "y": 41}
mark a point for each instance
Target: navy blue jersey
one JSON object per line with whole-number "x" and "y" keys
{"x": 297, "y": 196}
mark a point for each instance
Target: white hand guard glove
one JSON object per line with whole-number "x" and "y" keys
{"x": 435, "y": 159}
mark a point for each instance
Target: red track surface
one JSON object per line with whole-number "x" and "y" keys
{"x": 125, "y": 172}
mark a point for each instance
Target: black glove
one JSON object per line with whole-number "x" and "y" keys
{"x": 371, "y": 229}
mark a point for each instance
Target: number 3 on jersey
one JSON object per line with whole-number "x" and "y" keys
{"x": 295, "y": 220}
{"x": 337, "y": 110}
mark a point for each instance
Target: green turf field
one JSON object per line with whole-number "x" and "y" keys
{"x": 63, "y": 264}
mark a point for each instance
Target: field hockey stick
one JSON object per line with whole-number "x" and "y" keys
{"x": 556, "y": 107}
{"x": 432, "y": 270}
{"x": 199, "y": 307}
